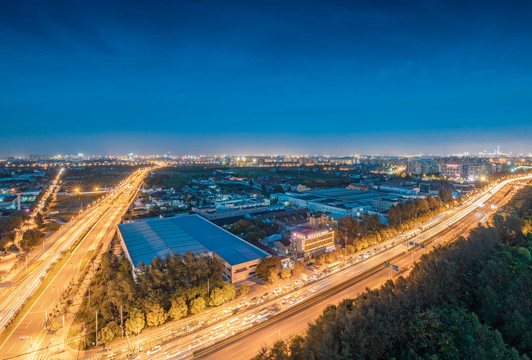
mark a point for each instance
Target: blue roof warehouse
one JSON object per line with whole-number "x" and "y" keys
{"x": 143, "y": 240}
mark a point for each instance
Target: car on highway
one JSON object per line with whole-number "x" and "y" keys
{"x": 154, "y": 350}
{"x": 264, "y": 311}
{"x": 233, "y": 321}
{"x": 249, "y": 317}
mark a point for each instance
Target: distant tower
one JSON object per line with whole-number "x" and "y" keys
{"x": 18, "y": 200}
{"x": 498, "y": 150}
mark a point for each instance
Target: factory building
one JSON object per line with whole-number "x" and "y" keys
{"x": 143, "y": 240}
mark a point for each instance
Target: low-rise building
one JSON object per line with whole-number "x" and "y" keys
{"x": 382, "y": 205}
{"x": 306, "y": 242}
{"x": 325, "y": 220}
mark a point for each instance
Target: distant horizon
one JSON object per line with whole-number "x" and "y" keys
{"x": 252, "y": 155}
{"x": 473, "y": 141}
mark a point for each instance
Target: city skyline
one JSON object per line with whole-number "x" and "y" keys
{"x": 493, "y": 152}
{"x": 316, "y": 77}
{"x": 138, "y": 145}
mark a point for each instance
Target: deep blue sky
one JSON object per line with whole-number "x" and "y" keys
{"x": 265, "y": 77}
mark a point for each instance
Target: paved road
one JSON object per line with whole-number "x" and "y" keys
{"x": 30, "y": 334}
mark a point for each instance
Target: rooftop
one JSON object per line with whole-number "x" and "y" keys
{"x": 146, "y": 239}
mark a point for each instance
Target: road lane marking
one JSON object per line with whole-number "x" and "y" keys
{"x": 11, "y": 347}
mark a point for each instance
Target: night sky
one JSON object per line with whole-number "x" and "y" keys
{"x": 247, "y": 77}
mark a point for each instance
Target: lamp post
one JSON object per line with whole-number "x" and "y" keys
{"x": 63, "y": 331}
{"x": 57, "y": 292}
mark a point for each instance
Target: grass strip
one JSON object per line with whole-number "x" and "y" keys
{"x": 30, "y": 269}
{"x": 84, "y": 261}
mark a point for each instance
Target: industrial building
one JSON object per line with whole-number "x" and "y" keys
{"x": 143, "y": 240}
{"x": 382, "y": 205}
{"x": 348, "y": 202}
{"x": 232, "y": 208}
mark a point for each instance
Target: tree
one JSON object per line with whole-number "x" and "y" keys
{"x": 39, "y": 221}
{"x": 330, "y": 257}
{"x": 216, "y": 298}
{"x": 374, "y": 222}
{"x": 445, "y": 195}
{"x": 349, "y": 229}
{"x": 136, "y": 321}
{"x": 244, "y": 290}
{"x": 30, "y": 239}
{"x": 296, "y": 345}
{"x": 6, "y": 239}
{"x": 350, "y": 249}
{"x": 273, "y": 277}
{"x": 299, "y": 267}
{"x": 179, "y": 309}
{"x": 319, "y": 259}
{"x": 106, "y": 335}
{"x": 279, "y": 350}
{"x": 286, "y": 273}
{"x": 156, "y": 315}
{"x": 268, "y": 265}
{"x": 228, "y": 291}
{"x": 196, "y": 305}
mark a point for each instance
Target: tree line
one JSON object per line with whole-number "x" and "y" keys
{"x": 168, "y": 289}
{"x": 270, "y": 269}
{"x": 370, "y": 230}
{"x": 471, "y": 299}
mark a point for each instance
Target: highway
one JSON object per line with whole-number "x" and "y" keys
{"x": 96, "y": 225}
{"x": 272, "y": 316}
